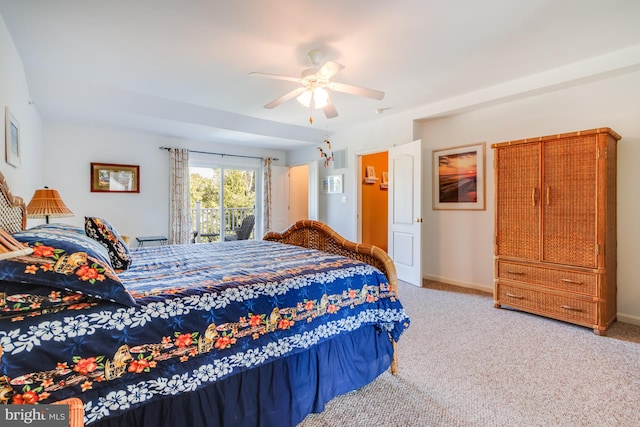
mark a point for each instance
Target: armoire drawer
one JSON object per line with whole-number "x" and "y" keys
{"x": 565, "y": 280}
{"x": 548, "y": 303}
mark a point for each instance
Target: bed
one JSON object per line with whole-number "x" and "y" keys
{"x": 254, "y": 333}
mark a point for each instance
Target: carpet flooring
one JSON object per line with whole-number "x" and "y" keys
{"x": 465, "y": 363}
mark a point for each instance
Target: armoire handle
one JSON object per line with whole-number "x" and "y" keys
{"x": 568, "y": 307}
{"x": 548, "y": 195}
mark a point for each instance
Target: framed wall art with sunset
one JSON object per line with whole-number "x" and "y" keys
{"x": 459, "y": 178}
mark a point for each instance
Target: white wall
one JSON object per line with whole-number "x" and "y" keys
{"x": 69, "y": 150}
{"x": 458, "y": 245}
{"x": 14, "y": 94}
{"x": 58, "y": 155}
{"x": 613, "y": 102}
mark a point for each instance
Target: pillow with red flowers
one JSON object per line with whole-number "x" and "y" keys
{"x": 18, "y": 300}
{"x": 65, "y": 260}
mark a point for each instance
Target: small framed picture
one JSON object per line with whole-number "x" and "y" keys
{"x": 385, "y": 180}
{"x": 458, "y": 178}
{"x": 114, "y": 178}
{"x": 11, "y": 139}
{"x": 332, "y": 184}
{"x": 371, "y": 172}
{"x": 370, "y": 175}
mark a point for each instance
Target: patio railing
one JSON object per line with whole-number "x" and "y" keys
{"x": 211, "y": 227}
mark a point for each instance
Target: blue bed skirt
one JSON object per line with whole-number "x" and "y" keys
{"x": 281, "y": 393}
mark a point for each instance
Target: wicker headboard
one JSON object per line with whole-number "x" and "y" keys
{"x": 13, "y": 211}
{"x": 317, "y": 235}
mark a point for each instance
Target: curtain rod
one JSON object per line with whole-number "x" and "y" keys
{"x": 222, "y": 154}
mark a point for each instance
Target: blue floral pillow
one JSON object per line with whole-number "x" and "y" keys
{"x": 65, "y": 260}
{"x": 101, "y": 231}
{"x": 59, "y": 227}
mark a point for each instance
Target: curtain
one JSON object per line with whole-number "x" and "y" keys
{"x": 267, "y": 195}
{"x": 180, "y": 210}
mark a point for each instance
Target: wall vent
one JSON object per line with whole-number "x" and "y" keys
{"x": 340, "y": 159}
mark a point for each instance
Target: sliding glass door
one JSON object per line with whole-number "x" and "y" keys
{"x": 223, "y": 202}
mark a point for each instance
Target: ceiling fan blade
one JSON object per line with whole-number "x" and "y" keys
{"x": 275, "y": 76}
{"x": 285, "y": 97}
{"x": 329, "y": 69}
{"x": 357, "y": 90}
{"x": 330, "y": 109}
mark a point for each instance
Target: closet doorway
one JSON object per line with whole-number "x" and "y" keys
{"x": 374, "y": 202}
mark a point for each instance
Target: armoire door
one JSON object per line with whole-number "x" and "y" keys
{"x": 518, "y": 201}
{"x": 569, "y": 199}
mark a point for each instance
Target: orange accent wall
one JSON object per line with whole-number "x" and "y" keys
{"x": 375, "y": 204}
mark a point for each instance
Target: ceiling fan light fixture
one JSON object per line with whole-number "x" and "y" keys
{"x": 314, "y": 98}
{"x": 305, "y": 98}
{"x": 315, "y": 85}
{"x": 320, "y": 97}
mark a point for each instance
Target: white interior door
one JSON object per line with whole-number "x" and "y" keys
{"x": 314, "y": 190}
{"x": 279, "y": 198}
{"x": 405, "y": 211}
{"x": 283, "y": 192}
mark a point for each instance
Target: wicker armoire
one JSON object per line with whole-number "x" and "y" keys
{"x": 555, "y": 226}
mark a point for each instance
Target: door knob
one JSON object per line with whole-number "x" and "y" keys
{"x": 418, "y": 219}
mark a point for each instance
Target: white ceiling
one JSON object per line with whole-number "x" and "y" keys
{"x": 181, "y": 67}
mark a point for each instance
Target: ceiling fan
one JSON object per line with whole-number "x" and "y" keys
{"x": 316, "y": 83}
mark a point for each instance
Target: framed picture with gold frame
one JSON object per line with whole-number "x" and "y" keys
{"x": 459, "y": 178}
{"x": 115, "y": 178}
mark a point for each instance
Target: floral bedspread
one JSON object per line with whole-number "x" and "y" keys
{"x": 203, "y": 312}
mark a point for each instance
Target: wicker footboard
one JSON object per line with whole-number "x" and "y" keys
{"x": 76, "y": 411}
{"x": 317, "y": 235}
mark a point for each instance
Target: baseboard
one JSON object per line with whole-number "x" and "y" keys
{"x": 624, "y": 318}
{"x": 627, "y": 318}
{"x": 475, "y": 286}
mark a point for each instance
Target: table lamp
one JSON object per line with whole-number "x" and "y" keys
{"x": 47, "y": 203}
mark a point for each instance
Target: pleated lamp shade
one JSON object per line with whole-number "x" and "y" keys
{"x": 47, "y": 203}
{"x": 10, "y": 247}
